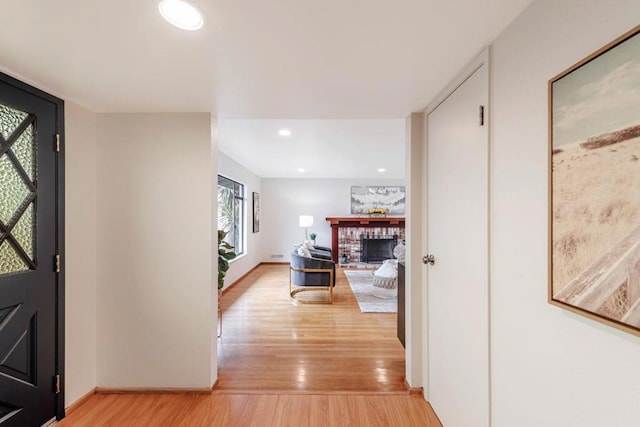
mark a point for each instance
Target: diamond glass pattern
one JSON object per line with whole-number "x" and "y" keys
{"x": 10, "y": 261}
{"x": 23, "y": 231}
{"x": 10, "y": 119}
{"x": 14, "y": 190}
{"x": 24, "y": 149}
{"x": 14, "y": 194}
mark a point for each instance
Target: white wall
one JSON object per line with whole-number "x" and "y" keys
{"x": 284, "y": 200}
{"x": 80, "y": 257}
{"x": 415, "y": 236}
{"x": 155, "y": 286}
{"x": 549, "y": 367}
{"x": 252, "y": 183}
{"x": 213, "y": 194}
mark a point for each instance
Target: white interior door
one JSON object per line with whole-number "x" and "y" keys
{"x": 457, "y": 237}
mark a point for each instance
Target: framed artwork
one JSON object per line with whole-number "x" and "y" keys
{"x": 370, "y": 199}
{"x": 256, "y": 212}
{"x": 594, "y": 185}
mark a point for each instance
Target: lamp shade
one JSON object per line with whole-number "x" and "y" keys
{"x": 306, "y": 220}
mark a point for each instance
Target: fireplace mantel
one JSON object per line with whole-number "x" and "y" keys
{"x": 365, "y": 221}
{"x": 359, "y": 221}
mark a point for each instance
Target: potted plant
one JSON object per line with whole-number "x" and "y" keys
{"x": 225, "y": 254}
{"x": 313, "y": 237}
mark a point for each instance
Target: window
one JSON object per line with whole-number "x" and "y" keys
{"x": 231, "y": 212}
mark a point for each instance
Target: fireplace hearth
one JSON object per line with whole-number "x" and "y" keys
{"x": 377, "y": 248}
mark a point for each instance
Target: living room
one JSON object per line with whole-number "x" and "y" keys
{"x": 370, "y": 153}
{"x": 267, "y": 226}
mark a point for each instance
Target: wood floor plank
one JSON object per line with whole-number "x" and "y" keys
{"x": 268, "y": 410}
{"x": 269, "y": 343}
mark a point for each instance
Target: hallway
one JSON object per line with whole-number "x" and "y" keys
{"x": 285, "y": 365}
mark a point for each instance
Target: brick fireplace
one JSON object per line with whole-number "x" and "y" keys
{"x": 347, "y": 234}
{"x": 377, "y": 248}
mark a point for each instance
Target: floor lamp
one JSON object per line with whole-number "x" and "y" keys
{"x": 306, "y": 221}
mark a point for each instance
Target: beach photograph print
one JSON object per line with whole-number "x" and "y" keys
{"x": 595, "y": 185}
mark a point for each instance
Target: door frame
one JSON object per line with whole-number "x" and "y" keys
{"x": 60, "y": 230}
{"x": 483, "y": 59}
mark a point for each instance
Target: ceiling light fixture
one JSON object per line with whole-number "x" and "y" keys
{"x": 301, "y": 170}
{"x": 181, "y": 14}
{"x": 382, "y": 170}
{"x": 284, "y": 132}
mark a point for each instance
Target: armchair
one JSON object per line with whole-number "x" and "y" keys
{"x": 311, "y": 274}
{"x": 321, "y": 252}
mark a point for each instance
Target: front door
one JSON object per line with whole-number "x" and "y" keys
{"x": 457, "y": 236}
{"x": 31, "y": 320}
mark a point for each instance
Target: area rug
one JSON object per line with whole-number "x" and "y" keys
{"x": 361, "y": 283}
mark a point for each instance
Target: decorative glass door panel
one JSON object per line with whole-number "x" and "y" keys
{"x": 18, "y": 153}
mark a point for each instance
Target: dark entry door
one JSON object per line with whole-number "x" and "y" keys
{"x": 30, "y": 286}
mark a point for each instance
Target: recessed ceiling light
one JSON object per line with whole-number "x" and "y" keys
{"x": 284, "y": 132}
{"x": 301, "y": 170}
{"x": 181, "y": 14}
{"x": 382, "y": 170}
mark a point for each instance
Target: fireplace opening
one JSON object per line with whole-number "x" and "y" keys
{"x": 377, "y": 248}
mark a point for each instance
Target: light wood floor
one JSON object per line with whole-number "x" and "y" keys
{"x": 270, "y": 410}
{"x": 270, "y": 344}
{"x": 285, "y": 365}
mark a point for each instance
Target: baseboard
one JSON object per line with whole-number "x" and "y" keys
{"x": 275, "y": 263}
{"x": 413, "y": 391}
{"x": 311, "y": 392}
{"x": 224, "y": 291}
{"x": 153, "y": 390}
{"x": 75, "y": 405}
{"x": 416, "y": 391}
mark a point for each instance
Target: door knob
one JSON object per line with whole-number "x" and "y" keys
{"x": 428, "y": 259}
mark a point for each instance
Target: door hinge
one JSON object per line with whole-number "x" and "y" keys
{"x": 56, "y": 384}
{"x": 57, "y": 142}
{"x": 57, "y": 264}
{"x": 481, "y": 112}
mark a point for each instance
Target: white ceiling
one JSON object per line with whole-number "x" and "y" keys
{"x": 324, "y": 148}
{"x": 254, "y": 59}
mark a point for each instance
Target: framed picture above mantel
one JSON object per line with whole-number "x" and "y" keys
{"x": 594, "y": 185}
{"x": 368, "y": 199}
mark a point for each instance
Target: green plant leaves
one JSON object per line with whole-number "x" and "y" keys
{"x": 225, "y": 254}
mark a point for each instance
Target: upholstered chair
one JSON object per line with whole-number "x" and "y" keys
{"x": 311, "y": 274}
